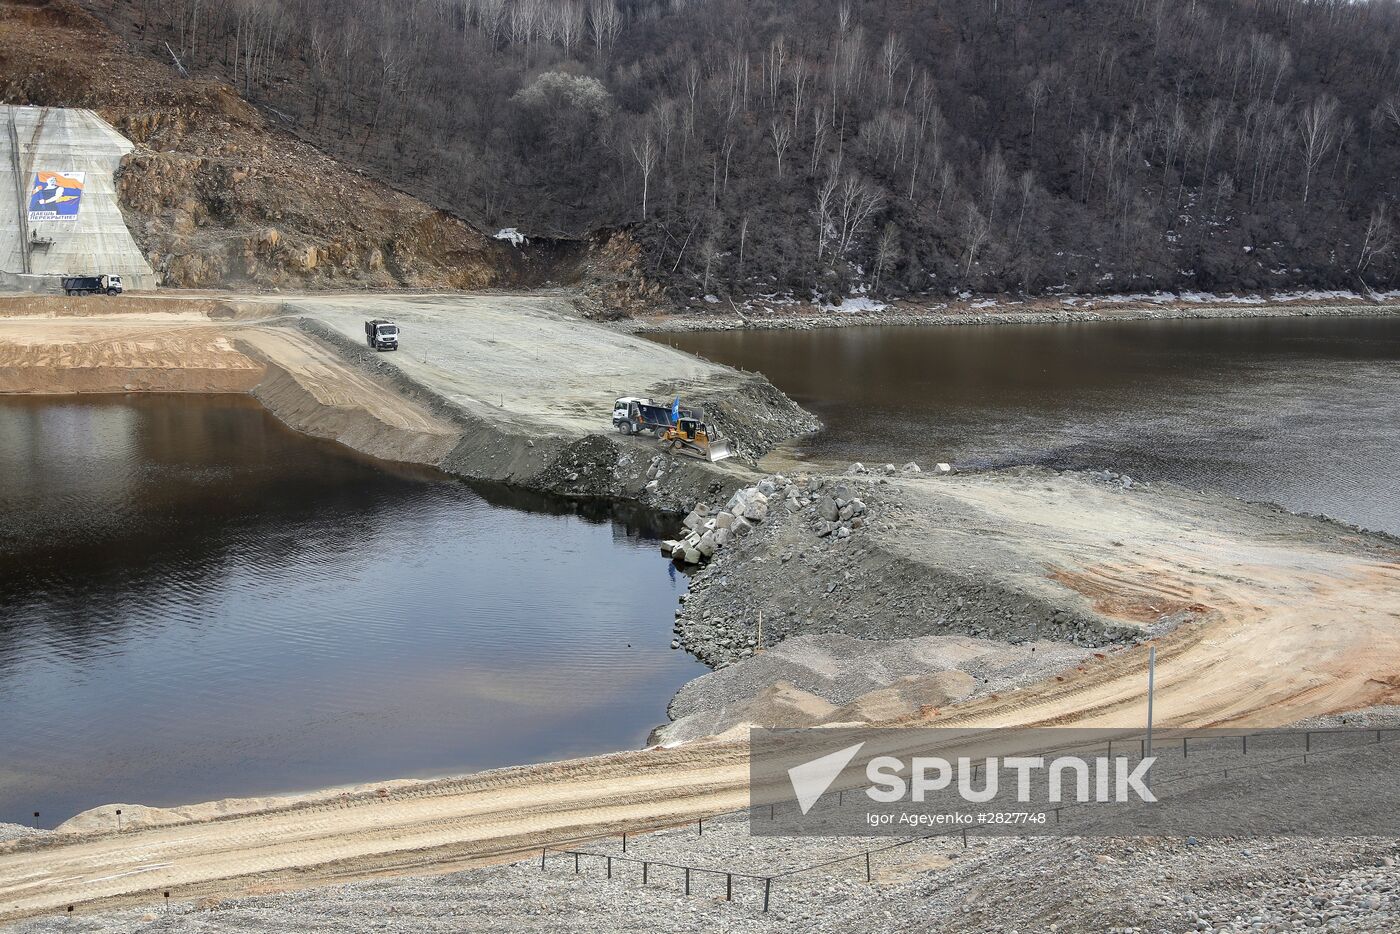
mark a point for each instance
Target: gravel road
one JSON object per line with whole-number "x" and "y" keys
{"x": 995, "y": 884}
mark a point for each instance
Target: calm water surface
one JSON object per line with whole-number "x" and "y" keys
{"x": 1300, "y": 411}
{"x": 196, "y": 602}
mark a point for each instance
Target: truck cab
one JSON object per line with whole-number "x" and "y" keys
{"x": 381, "y": 334}
{"x": 623, "y": 418}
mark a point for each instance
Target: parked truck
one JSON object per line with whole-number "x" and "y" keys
{"x": 381, "y": 334}
{"x": 633, "y": 415}
{"x": 680, "y": 429}
{"x": 92, "y": 285}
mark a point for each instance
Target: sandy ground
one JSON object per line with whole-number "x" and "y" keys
{"x": 1261, "y": 617}
{"x": 495, "y": 387}
{"x": 185, "y": 351}
{"x": 491, "y": 354}
{"x": 1301, "y": 622}
{"x": 98, "y": 355}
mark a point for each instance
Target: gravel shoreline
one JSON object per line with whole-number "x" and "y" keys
{"x": 973, "y": 316}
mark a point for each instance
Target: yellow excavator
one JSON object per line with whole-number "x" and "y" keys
{"x": 694, "y": 438}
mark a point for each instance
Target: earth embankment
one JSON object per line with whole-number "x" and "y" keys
{"x": 509, "y": 388}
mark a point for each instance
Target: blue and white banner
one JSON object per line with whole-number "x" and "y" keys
{"x": 55, "y": 196}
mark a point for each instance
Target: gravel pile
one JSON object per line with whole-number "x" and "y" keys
{"x": 16, "y": 831}
{"x": 837, "y": 555}
{"x": 841, "y": 669}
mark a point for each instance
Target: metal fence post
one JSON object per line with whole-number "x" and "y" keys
{"x": 767, "y": 890}
{"x": 1151, "y": 692}
{"x": 729, "y": 886}
{"x": 543, "y": 851}
{"x": 575, "y": 863}
{"x": 624, "y": 841}
{"x": 867, "y": 865}
{"x": 687, "y": 880}
{"x": 609, "y": 867}
{"x": 645, "y": 867}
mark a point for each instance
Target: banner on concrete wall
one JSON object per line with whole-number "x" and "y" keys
{"x": 55, "y": 196}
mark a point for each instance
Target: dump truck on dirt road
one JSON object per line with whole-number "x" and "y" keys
{"x": 680, "y": 429}
{"x": 381, "y": 334}
{"x": 633, "y": 416}
{"x": 92, "y": 285}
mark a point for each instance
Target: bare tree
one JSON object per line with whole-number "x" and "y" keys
{"x": 976, "y": 230}
{"x": 886, "y": 251}
{"x": 1026, "y": 183}
{"x": 1035, "y": 96}
{"x": 779, "y": 135}
{"x": 857, "y": 199}
{"x": 826, "y": 200}
{"x": 645, "y": 153}
{"x": 1317, "y": 131}
{"x": 892, "y": 58}
{"x": 994, "y": 179}
{"x": 1378, "y": 241}
{"x": 1391, "y": 108}
{"x": 605, "y": 22}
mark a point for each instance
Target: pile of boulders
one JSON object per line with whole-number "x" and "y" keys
{"x": 831, "y": 505}
{"x": 708, "y": 530}
{"x": 856, "y": 469}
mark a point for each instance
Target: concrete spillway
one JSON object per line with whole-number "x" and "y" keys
{"x": 59, "y": 214}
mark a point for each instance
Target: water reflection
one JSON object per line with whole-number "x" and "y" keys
{"x": 1299, "y": 411}
{"x": 197, "y": 602}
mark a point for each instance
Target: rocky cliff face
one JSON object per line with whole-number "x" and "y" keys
{"x": 215, "y": 194}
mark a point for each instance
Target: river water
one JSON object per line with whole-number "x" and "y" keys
{"x": 1304, "y": 412}
{"x": 197, "y": 602}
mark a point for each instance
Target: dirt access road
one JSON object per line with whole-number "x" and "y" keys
{"x": 1301, "y": 618}
{"x": 508, "y": 357}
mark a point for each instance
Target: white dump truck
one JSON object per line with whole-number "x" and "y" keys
{"x": 381, "y": 334}
{"x": 92, "y": 285}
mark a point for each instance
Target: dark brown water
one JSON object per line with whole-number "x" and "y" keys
{"x": 1304, "y": 412}
{"x": 196, "y": 602}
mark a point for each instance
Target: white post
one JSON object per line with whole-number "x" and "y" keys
{"x": 1151, "y": 686}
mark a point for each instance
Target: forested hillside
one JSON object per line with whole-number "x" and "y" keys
{"x": 818, "y": 147}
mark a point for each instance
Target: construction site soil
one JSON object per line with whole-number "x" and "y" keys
{"x": 1259, "y": 617}
{"x": 468, "y": 393}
